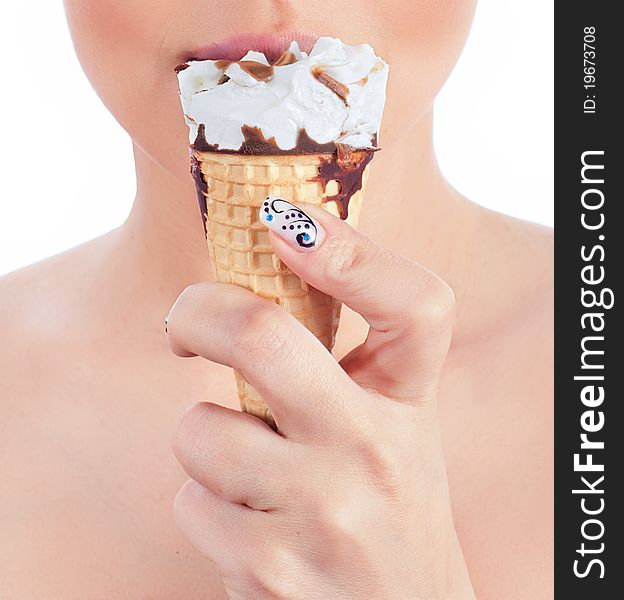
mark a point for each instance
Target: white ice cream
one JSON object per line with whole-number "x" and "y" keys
{"x": 293, "y": 99}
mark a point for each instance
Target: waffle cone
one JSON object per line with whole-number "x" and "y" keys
{"x": 241, "y": 254}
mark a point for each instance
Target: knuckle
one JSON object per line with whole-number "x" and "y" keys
{"x": 183, "y": 505}
{"x": 194, "y": 437}
{"x": 186, "y": 307}
{"x": 187, "y": 504}
{"x": 190, "y": 299}
{"x": 341, "y": 518}
{"x": 260, "y": 334}
{"x": 382, "y": 464}
{"x": 432, "y": 304}
{"x": 344, "y": 257}
{"x": 276, "y": 573}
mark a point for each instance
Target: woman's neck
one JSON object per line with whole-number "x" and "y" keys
{"x": 409, "y": 208}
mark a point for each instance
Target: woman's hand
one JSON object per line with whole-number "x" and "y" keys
{"x": 351, "y": 500}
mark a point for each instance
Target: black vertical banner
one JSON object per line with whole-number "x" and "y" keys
{"x": 589, "y": 296}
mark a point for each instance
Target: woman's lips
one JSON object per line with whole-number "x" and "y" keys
{"x": 236, "y": 46}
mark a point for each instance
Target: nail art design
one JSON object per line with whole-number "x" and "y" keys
{"x": 291, "y": 223}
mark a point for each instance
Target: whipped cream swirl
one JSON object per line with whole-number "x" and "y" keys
{"x": 334, "y": 94}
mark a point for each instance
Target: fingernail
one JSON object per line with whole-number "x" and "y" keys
{"x": 291, "y": 223}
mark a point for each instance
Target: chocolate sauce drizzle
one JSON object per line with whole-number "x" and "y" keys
{"x": 202, "y": 190}
{"x": 340, "y": 89}
{"x": 346, "y": 166}
{"x": 287, "y": 58}
{"x": 258, "y": 71}
{"x": 254, "y": 142}
{"x": 343, "y": 163}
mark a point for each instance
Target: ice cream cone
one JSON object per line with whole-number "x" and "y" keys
{"x": 301, "y": 129}
{"x": 231, "y": 188}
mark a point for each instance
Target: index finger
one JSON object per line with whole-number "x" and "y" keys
{"x": 409, "y": 308}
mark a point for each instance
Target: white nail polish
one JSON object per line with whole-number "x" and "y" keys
{"x": 291, "y": 223}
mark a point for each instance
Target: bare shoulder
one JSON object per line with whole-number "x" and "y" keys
{"x": 25, "y": 297}
{"x": 509, "y": 298}
{"x": 519, "y": 327}
{"x": 531, "y": 243}
{"x": 499, "y": 437}
{"x": 39, "y": 305}
{"x": 524, "y": 267}
{"x": 30, "y": 298}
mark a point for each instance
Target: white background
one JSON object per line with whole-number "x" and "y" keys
{"x": 493, "y": 128}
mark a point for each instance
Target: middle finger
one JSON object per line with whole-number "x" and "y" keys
{"x": 305, "y": 388}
